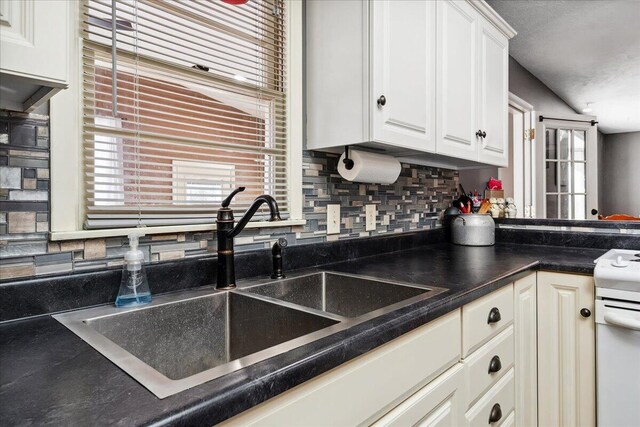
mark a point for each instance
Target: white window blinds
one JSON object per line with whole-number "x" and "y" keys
{"x": 183, "y": 100}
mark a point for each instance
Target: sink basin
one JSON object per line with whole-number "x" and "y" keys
{"x": 187, "y": 338}
{"x": 202, "y": 333}
{"x": 170, "y": 346}
{"x": 342, "y": 294}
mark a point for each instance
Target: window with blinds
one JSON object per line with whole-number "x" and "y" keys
{"x": 183, "y": 100}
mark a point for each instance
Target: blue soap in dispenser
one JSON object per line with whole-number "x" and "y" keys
{"x": 134, "y": 288}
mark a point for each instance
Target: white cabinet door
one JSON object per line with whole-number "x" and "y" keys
{"x": 403, "y": 89}
{"x": 456, "y": 77}
{"x": 526, "y": 351}
{"x": 364, "y": 389}
{"x": 493, "y": 95}
{"x": 566, "y": 350}
{"x": 33, "y": 39}
{"x": 439, "y": 404}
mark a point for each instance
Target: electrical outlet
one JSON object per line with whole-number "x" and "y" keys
{"x": 370, "y": 215}
{"x": 333, "y": 219}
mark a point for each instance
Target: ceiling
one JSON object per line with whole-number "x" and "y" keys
{"x": 585, "y": 51}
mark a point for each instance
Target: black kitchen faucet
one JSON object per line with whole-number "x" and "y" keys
{"x": 226, "y": 232}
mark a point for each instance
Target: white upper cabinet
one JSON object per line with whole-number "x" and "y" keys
{"x": 34, "y": 53}
{"x": 370, "y": 74}
{"x": 414, "y": 79}
{"x": 403, "y": 86}
{"x": 472, "y": 85}
{"x": 457, "y": 79}
{"x": 493, "y": 95}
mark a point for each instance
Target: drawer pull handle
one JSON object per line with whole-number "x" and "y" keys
{"x": 382, "y": 101}
{"x": 585, "y": 312}
{"x": 494, "y": 316}
{"x": 496, "y": 414}
{"x": 495, "y": 365}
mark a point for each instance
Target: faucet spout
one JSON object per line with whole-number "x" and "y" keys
{"x": 226, "y": 232}
{"x": 274, "y": 213}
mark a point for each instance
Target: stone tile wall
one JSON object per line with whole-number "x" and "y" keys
{"x": 413, "y": 202}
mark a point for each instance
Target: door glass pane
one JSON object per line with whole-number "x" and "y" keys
{"x": 552, "y": 177}
{"x": 578, "y": 144}
{"x": 565, "y": 177}
{"x": 579, "y": 206}
{"x": 552, "y": 206}
{"x": 565, "y": 173}
{"x": 552, "y": 151}
{"x": 564, "y": 144}
{"x": 565, "y": 206}
{"x": 579, "y": 178}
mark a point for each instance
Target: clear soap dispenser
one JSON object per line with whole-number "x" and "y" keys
{"x": 134, "y": 288}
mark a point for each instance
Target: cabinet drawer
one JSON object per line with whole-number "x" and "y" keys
{"x": 363, "y": 389}
{"x": 510, "y": 421}
{"x": 484, "y": 318}
{"x": 438, "y": 403}
{"x": 500, "y": 397}
{"x": 488, "y": 364}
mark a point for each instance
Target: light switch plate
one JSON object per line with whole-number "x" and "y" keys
{"x": 333, "y": 219}
{"x": 370, "y": 214}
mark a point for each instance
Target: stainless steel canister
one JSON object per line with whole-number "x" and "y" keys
{"x": 473, "y": 230}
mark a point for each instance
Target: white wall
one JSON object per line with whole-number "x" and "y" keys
{"x": 620, "y": 174}
{"x": 527, "y": 86}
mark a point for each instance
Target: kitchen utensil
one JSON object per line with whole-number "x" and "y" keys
{"x": 485, "y": 207}
{"x": 464, "y": 199}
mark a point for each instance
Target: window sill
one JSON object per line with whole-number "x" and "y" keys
{"x": 114, "y": 232}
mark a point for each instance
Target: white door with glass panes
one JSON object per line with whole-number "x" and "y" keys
{"x": 567, "y": 169}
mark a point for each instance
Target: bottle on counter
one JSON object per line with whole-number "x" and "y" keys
{"x": 134, "y": 288}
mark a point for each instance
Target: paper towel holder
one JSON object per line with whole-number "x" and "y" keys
{"x": 348, "y": 163}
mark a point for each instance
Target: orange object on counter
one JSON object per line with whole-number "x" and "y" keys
{"x": 618, "y": 217}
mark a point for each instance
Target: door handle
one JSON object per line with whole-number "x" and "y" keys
{"x": 494, "y": 316}
{"x": 496, "y": 414}
{"x": 622, "y": 321}
{"x": 495, "y": 364}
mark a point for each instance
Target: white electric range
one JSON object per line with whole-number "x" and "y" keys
{"x": 617, "y": 280}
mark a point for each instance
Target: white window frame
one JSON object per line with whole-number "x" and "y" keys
{"x": 577, "y": 122}
{"x": 67, "y": 180}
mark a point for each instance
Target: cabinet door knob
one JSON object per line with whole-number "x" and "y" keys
{"x": 585, "y": 312}
{"x": 494, "y": 316}
{"x": 382, "y": 101}
{"x": 495, "y": 365}
{"x": 496, "y": 414}
{"x": 481, "y": 134}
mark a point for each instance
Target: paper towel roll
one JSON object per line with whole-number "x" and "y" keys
{"x": 370, "y": 167}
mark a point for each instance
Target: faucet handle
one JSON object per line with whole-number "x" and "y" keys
{"x": 227, "y": 201}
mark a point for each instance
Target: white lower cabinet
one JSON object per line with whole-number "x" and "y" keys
{"x": 510, "y": 421}
{"x": 440, "y": 404}
{"x": 362, "y": 390}
{"x": 522, "y": 355}
{"x": 495, "y": 405}
{"x": 566, "y": 350}
{"x": 526, "y": 350}
{"x": 487, "y": 365}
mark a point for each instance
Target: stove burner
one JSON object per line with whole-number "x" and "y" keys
{"x": 635, "y": 260}
{"x": 637, "y": 255}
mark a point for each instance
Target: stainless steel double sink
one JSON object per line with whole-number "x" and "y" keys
{"x": 188, "y": 338}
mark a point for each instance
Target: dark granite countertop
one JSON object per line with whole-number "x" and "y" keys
{"x": 50, "y": 376}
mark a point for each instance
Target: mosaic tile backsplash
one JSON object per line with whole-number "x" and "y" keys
{"x": 413, "y": 202}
